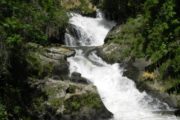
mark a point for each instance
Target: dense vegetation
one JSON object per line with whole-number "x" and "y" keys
{"x": 39, "y": 21}
{"x": 152, "y": 31}
{"x": 31, "y": 21}
{"x": 23, "y": 22}
{"x": 120, "y": 10}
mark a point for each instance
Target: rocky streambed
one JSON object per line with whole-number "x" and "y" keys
{"x": 64, "y": 97}
{"x": 68, "y": 98}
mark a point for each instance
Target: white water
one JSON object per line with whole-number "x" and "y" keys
{"x": 91, "y": 31}
{"x": 118, "y": 93}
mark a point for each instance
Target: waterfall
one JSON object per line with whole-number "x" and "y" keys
{"x": 118, "y": 93}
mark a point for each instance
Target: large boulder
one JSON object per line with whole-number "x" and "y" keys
{"x": 49, "y": 61}
{"x": 77, "y": 78}
{"x": 57, "y": 56}
{"x": 67, "y": 101}
{"x": 112, "y": 53}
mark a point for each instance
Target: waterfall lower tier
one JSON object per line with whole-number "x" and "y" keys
{"x": 118, "y": 93}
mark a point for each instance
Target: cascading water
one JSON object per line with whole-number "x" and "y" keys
{"x": 119, "y": 94}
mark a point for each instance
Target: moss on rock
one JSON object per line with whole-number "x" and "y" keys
{"x": 37, "y": 67}
{"x": 83, "y": 6}
{"x": 48, "y": 61}
{"x": 77, "y": 103}
{"x": 70, "y": 100}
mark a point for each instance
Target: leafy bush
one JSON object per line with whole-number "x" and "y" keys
{"x": 153, "y": 34}
{"x": 82, "y": 6}
{"x": 22, "y": 22}
{"x": 120, "y": 10}
{"x": 3, "y": 113}
{"x": 33, "y": 21}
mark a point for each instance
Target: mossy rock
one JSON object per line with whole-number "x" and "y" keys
{"x": 36, "y": 67}
{"x": 48, "y": 61}
{"x": 71, "y": 89}
{"x": 71, "y": 101}
{"x": 78, "y": 102}
{"x": 113, "y": 53}
{"x": 86, "y": 106}
{"x": 83, "y": 6}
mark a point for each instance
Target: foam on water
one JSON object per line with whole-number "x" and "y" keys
{"x": 90, "y": 34}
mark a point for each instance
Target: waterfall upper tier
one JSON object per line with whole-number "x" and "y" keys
{"x": 83, "y": 31}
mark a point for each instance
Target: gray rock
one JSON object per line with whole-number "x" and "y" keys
{"x": 61, "y": 71}
{"x": 177, "y": 112}
{"x": 56, "y": 56}
{"x": 77, "y": 78}
{"x": 72, "y": 101}
{"x": 59, "y": 53}
{"x": 113, "y": 53}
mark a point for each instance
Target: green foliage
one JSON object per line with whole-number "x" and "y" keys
{"x": 154, "y": 34}
{"x": 130, "y": 35}
{"x": 22, "y": 22}
{"x": 96, "y": 2}
{"x": 120, "y": 10}
{"x": 14, "y": 40}
{"x": 176, "y": 64}
{"x": 35, "y": 21}
{"x": 84, "y": 7}
{"x": 3, "y": 113}
{"x": 36, "y": 68}
{"x": 75, "y": 103}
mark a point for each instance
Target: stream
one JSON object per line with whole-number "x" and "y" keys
{"x": 118, "y": 93}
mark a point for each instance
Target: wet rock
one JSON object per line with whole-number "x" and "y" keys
{"x": 77, "y": 78}
{"x": 77, "y": 34}
{"x": 130, "y": 71}
{"x": 60, "y": 71}
{"x": 177, "y": 112}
